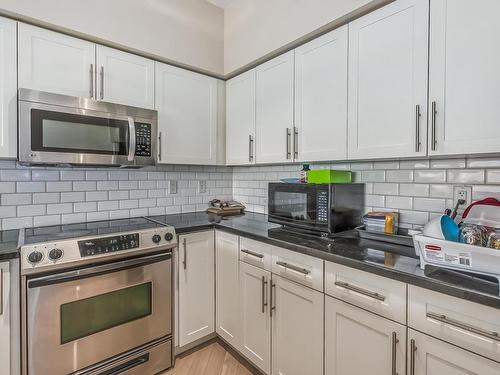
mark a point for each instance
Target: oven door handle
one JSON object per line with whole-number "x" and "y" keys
{"x": 97, "y": 270}
{"x": 131, "y": 139}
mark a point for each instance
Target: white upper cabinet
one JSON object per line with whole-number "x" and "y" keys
{"x": 53, "y": 62}
{"x": 388, "y": 65}
{"x": 275, "y": 88}
{"x": 240, "y": 119}
{"x": 464, "y": 79}
{"x": 124, "y": 78}
{"x": 321, "y": 98}
{"x": 8, "y": 89}
{"x": 187, "y": 116}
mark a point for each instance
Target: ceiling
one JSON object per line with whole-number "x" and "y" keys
{"x": 221, "y": 3}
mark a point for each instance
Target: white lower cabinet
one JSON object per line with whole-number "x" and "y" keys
{"x": 5, "y": 345}
{"x": 359, "y": 342}
{"x": 255, "y": 316}
{"x": 196, "y": 286}
{"x": 297, "y": 329}
{"x": 430, "y": 356}
{"x": 227, "y": 291}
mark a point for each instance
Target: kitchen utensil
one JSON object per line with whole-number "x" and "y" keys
{"x": 449, "y": 229}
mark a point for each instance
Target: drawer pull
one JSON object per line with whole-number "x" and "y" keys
{"x": 394, "y": 344}
{"x": 248, "y": 252}
{"x": 293, "y": 268}
{"x": 452, "y": 322}
{"x": 356, "y": 289}
{"x": 264, "y": 294}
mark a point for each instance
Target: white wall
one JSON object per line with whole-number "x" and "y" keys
{"x": 255, "y": 28}
{"x": 189, "y": 32}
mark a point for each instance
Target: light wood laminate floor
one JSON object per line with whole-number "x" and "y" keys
{"x": 210, "y": 360}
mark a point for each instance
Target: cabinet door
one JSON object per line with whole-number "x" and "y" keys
{"x": 53, "y": 62}
{"x": 388, "y": 81}
{"x": 359, "y": 342}
{"x": 240, "y": 119}
{"x": 124, "y": 78}
{"x": 275, "y": 110}
{"x": 8, "y": 89}
{"x": 227, "y": 288}
{"x": 430, "y": 356}
{"x": 297, "y": 329}
{"x": 196, "y": 286}
{"x": 255, "y": 316}
{"x": 464, "y": 79}
{"x": 5, "y": 368}
{"x": 187, "y": 116}
{"x": 321, "y": 98}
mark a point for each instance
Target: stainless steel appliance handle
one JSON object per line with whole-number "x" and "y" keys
{"x": 433, "y": 126}
{"x": 394, "y": 353}
{"x": 184, "y": 262}
{"x": 264, "y": 294}
{"x": 273, "y": 299}
{"x": 124, "y": 367}
{"x": 249, "y": 252}
{"x": 1, "y": 291}
{"x": 417, "y": 128}
{"x": 159, "y": 146}
{"x": 413, "y": 349}
{"x": 288, "y": 136}
{"x": 97, "y": 270}
{"x": 295, "y": 142}
{"x": 132, "y": 142}
{"x": 455, "y": 323}
{"x": 293, "y": 268}
{"x": 250, "y": 148}
{"x": 91, "y": 91}
{"x": 359, "y": 290}
{"x": 102, "y": 82}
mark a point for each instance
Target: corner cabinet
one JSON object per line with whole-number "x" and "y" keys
{"x": 5, "y": 329}
{"x": 463, "y": 77}
{"x": 240, "y": 119}
{"x": 196, "y": 286}
{"x": 187, "y": 116}
{"x": 388, "y": 65}
{"x": 321, "y": 98}
{"x": 8, "y": 89}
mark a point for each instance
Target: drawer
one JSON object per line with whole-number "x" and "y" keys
{"x": 466, "y": 324}
{"x": 374, "y": 293}
{"x": 255, "y": 253}
{"x": 303, "y": 269}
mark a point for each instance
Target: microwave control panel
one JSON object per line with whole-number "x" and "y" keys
{"x": 142, "y": 139}
{"x": 322, "y": 206}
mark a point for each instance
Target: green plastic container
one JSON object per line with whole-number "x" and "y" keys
{"x": 328, "y": 176}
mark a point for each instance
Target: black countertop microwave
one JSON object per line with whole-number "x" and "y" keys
{"x": 321, "y": 208}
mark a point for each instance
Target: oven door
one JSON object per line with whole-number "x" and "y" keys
{"x": 79, "y": 318}
{"x": 299, "y": 205}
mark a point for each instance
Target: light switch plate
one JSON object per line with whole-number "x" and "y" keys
{"x": 172, "y": 187}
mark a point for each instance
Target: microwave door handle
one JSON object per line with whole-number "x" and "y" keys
{"x": 131, "y": 140}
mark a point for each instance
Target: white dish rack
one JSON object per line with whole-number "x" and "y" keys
{"x": 457, "y": 256}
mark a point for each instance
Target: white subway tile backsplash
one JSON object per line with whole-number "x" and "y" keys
{"x": 70, "y": 175}
{"x": 447, "y": 163}
{"x": 404, "y": 203}
{"x": 373, "y": 176}
{"x": 40, "y": 221}
{"x": 30, "y": 187}
{"x": 59, "y": 186}
{"x": 85, "y": 207}
{"x": 386, "y": 165}
{"x": 385, "y": 189}
{"x": 485, "y": 191}
{"x": 374, "y": 200}
{"x": 414, "y": 190}
{"x": 16, "y": 199}
{"x": 432, "y": 176}
{"x": 107, "y": 205}
{"x": 73, "y": 218}
{"x": 8, "y": 211}
{"x": 493, "y": 176}
{"x": 59, "y": 208}
{"x": 399, "y": 176}
{"x": 44, "y": 175}
{"x": 107, "y": 185}
{"x": 46, "y": 198}
{"x": 96, "y": 216}
{"x": 85, "y": 186}
{"x": 17, "y": 222}
{"x": 7, "y": 187}
{"x": 429, "y": 204}
{"x": 414, "y": 164}
{"x": 15, "y": 175}
{"x": 96, "y": 196}
{"x": 466, "y": 176}
{"x": 31, "y": 210}
{"x": 441, "y": 191}
{"x": 483, "y": 163}
{"x": 73, "y": 197}
{"x": 96, "y": 175}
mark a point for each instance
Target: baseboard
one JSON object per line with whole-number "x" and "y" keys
{"x": 245, "y": 362}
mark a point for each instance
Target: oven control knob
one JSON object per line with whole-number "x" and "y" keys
{"x": 35, "y": 257}
{"x": 55, "y": 254}
{"x": 169, "y": 236}
{"x": 156, "y": 238}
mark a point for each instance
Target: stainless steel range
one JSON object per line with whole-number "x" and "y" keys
{"x": 97, "y": 298}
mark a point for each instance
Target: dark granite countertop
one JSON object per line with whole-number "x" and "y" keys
{"x": 385, "y": 259}
{"x": 9, "y": 248}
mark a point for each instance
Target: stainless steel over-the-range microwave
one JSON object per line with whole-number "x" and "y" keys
{"x": 60, "y": 129}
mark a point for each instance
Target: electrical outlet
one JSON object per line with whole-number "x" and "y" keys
{"x": 462, "y": 192}
{"x": 172, "y": 187}
{"x": 202, "y": 186}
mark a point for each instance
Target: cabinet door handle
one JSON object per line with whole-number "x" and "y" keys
{"x": 250, "y": 148}
{"x": 295, "y": 142}
{"x": 288, "y": 145}
{"x": 159, "y": 146}
{"x": 91, "y": 91}
{"x": 413, "y": 349}
{"x": 394, "y": 353}
{"x": 293, "y": 268}
{"x": 184, "y": 244}
{"x": 264, "y": 294}
{"x": 417, "y": 128}
{"x": 273, "y": 299}
{"x": 455, "y": 323}
{"x": 359, "y": 290}
{"x": 248, "y": 252}
{"x": 1, "y": 291}
{"x": 433, "y": 126}
{"x": 102, "y": 82}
